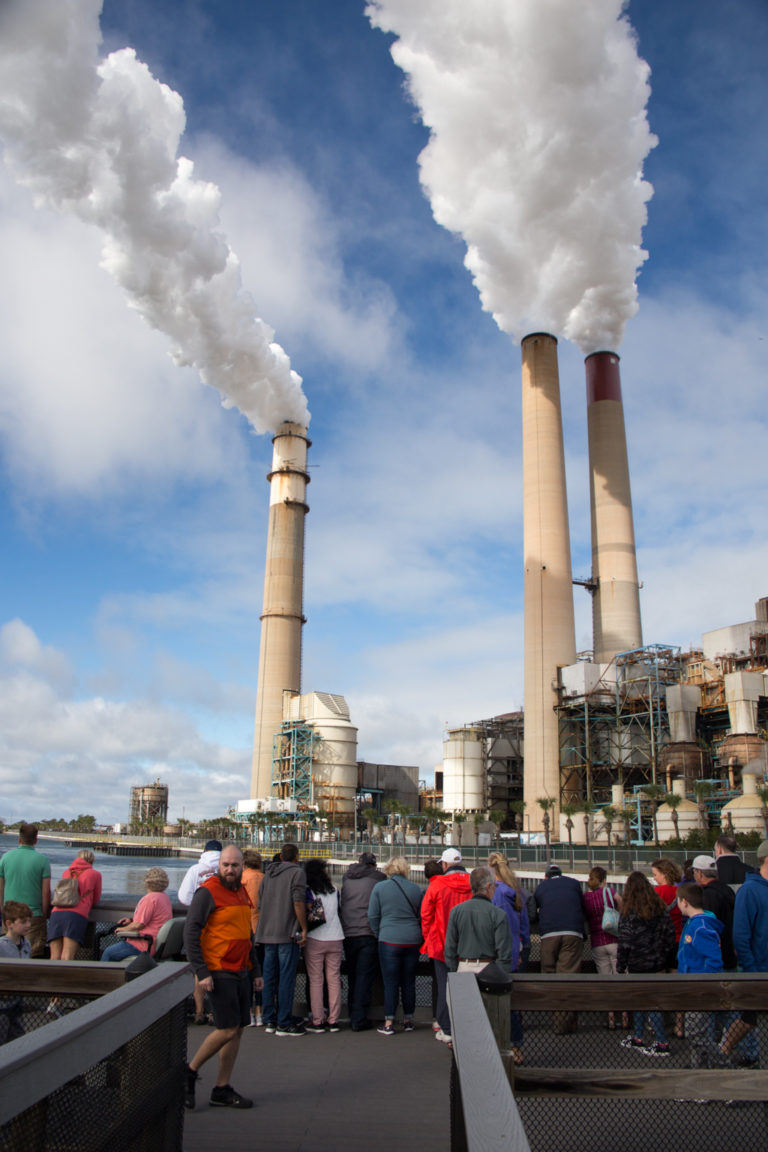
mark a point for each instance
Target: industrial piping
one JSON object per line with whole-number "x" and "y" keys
{"x": 282, "y": 616}
{"x": 616, "y": 598}
{"x": 548, "y": 593}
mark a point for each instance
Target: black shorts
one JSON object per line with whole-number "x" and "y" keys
{"x": 231, "y": 999}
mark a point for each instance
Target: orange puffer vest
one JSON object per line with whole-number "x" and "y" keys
{"x": 226, "y": 937}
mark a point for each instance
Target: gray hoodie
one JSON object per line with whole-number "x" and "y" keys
{"x": 356, "y": 887}
{"x": 284, "y": 885}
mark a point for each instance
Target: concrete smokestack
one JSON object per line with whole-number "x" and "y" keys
{"x": 616, "y": 604}
{"x": 282, "y": 617}
{"x": 548, "y": 593}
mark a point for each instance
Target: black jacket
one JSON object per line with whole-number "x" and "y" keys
{"x": 720, "y": 898}
{"x": 646, "y": 945}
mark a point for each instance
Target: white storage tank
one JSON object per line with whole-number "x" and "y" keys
{"x": 334, "y": 752}
{"x": 464, "y": 771}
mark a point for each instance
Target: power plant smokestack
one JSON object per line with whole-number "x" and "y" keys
{"x": 548, "y": 594}
{"x": 282, "y": 616}
{"x": 616, "y": 597}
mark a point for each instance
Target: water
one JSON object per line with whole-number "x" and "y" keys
{"x": 121, "y": 876}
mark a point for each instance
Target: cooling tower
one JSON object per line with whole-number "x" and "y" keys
{"x": 282, "y": 616}
{"x": 616, "y": 598}
{"x": 548, "y": 594}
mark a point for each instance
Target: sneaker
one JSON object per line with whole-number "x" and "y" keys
{"x": 190, "y": 1079}
{"x": 259, "y": 1021}
{"x": 657, "y": 1050}
{"x": 334, "y": 1027}
{"x": 435, "y": 1026}
{"x": 227, "y": 1097}
{"x": 253, "y": 1020}
{"x": 293, "y": 1030}
{"x": 632, "y": 1042}
{"x": 270, "y": 1027}
{"x": 408, "y": 1026}
{"x": 314, "y": 1027}
{"x": 386, "y": 1029}
{"x": 444, "y": 1037}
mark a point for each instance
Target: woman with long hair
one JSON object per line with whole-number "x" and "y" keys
{"x": 394, "y": 912}
{"x": 67, "y": 926}
{"x": 666, "y": 877}
{"x": 512, "y": 900}
{"x": 323, "y": 950}
{"x": 646, "y": 943}
{"x": 605, "y": 946}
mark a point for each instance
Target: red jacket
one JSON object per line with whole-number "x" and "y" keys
{"x": 443, "y": 893}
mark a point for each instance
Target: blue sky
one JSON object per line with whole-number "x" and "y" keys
{"x": 133, "y": 507}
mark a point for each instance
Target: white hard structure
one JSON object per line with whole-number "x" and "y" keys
{"x": 334, "y": 751}
{"x": 548, "y": 593}
{"x": 687, "y": 814}
{"x": 464, "y": 771}
{"x": 745, "y": 811}
{"x": 282, "y": 616}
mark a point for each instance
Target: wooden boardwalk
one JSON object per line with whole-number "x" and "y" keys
{"x": 335, "y": 1092}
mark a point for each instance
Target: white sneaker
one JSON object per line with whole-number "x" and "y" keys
{"x": 443, "y": 1036}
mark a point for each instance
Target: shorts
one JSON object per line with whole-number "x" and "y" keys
{"x": 69, "y": 924}
{"x": 231, "y": 999}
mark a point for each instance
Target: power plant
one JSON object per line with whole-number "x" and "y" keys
{"x": 598, "y": 728}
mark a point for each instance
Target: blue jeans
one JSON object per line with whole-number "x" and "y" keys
{"x": 120, "y": 951}
{"x": 398, "y": 970}
{"x": 442, "y": 1014}
{"x": 280, "y": 964}
{"x": 361, "y": 954}
{"x": 657, "y": 1023}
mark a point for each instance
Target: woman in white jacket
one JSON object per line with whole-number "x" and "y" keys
{"x": 202, "y": 869}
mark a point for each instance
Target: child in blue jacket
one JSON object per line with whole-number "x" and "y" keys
{"x": 699, "y": 951}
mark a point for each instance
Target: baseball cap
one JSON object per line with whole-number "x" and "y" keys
{"x": 212, "y": 846}
{"x": 762, "y": 850}
{"x": 451, "y": 856}
{"x": 553, "y": 870}
{"x": 704, "y": 863}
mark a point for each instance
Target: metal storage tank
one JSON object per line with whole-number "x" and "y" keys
{"x": 744, "y": 813}
{"x": 334, "y": 752}
{"x": 149, "y": 803}
{"x": 464, "y": 771}
{"x": 687, "y": 814}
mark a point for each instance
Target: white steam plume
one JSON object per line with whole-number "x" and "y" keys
{"x": 538, "y": 132}
{"x": 99, "y": 138}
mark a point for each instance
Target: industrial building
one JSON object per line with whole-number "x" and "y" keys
{"x": 149, "y": 805}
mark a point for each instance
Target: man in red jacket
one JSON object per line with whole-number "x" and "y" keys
{"x": 444, "y": 892}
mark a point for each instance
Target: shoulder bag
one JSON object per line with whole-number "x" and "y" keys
{"x": 610, "y": 922}
{"x": 66, "y": 894}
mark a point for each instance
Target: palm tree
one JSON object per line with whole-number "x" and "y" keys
{"x": 497, "y": 816}
{"x": 625, "y": 815}
{"x": 546, "y": 803}
{"x": 369, "y": 815}
{"x": 431, "y": 814}
{"x": 458, "y": 819}
{"x": 569, "y": 811}
{"x": 673, "y": 802}
{"x": 610, "y": 815}
{"x": 586, "y": 808}
{"x": 703, "y": 789}
{"x": 654, "y": 793}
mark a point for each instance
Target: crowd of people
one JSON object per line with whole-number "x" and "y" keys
{"x": 248, "y": 924}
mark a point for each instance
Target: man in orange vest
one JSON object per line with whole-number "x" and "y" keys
{"x": 218, "y": 944}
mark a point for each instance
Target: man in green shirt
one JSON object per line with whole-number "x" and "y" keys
{"x": 25, "y": 875}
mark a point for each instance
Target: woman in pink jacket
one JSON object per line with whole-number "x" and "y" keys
{"x": 67, "y": 926}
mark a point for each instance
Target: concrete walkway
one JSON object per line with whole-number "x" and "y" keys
{"x": 329, "y": 1093}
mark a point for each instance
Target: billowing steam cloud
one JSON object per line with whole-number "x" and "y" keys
{"x": 100, "y": 139}
{"x": 536, "y": 110}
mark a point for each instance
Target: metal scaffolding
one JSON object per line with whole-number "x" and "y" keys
{"x": 292, "y": 763}
{"x": 614, "y": 732}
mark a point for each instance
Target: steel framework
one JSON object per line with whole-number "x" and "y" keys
{"x": 292, "y": 763}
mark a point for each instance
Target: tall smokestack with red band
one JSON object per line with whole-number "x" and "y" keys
{"x": 282, "y": 617}
{"x": 548, "y": 592}
{"x": 616, "y": 604}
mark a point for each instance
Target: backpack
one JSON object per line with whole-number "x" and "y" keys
{"x": 66, "y": 894}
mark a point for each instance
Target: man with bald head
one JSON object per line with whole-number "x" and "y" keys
{"x": 219, "y": 946}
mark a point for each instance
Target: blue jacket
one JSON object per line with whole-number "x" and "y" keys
{"x": 559, "y": 902}
{"x": 699, "y": 949}
{"x": 750, "y": 924}
{"x": 504, "y": 898}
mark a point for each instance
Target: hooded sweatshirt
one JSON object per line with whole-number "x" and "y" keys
{"x": 206, "y": 866}
{"x": 750, "y": 924}
{"x": 88, "y": 883}
{"x": 284, "y": 885}
{"x": 699, "y": 949}
{"x": 444, "y": 892}
{"x": 356, "y": 887}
